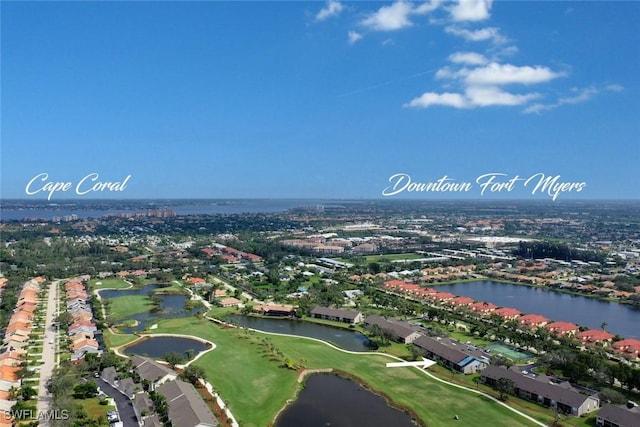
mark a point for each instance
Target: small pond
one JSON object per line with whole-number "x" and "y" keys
{"x": 343, "y": 338}
{"x": 329, "y": 400}
{"x": 157, "y": 347}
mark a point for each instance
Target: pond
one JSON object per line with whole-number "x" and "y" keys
{"x": 171, "y": 306}
{"x": 343, "y": 338}
{"x": 157, "y": 347}
{"x": 621, "y": 319}
{"x": 329, "y": 400}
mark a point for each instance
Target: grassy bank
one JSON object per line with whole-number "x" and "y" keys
{"x": 251, "y": 379}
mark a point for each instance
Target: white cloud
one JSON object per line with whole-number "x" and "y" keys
{"x": 579, "y": 96}
{"x": 474, "y": 96}
{"x": 483, "y": 34}
{"x": 485, "y": 96}
{"x": 428, "y": 6}
{"x": 390, "y": 18}
{"x": 333, "y": 8}
{"x": 354, "y": 36}
{"x": 470, "y": 58}
{"x": 471, "y": 10}
{"x": 499, "y": 74}
{"x": 430, "y": 98}
{"x": 396, "y": 16}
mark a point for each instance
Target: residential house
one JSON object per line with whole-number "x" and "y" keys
{"x": 630, "y": 346}
{"x": 595, "y": 336}
{"x": 453, "y": 355}
{"x": 616, "y": 416}
{"x": 395, "y": 329}
{"x": 275, "y": 310}
{"x": 533, "y": 320}
{"x": 337, "y": 315}
{"x": 110, "y": 375}
{"x": 127, "y": 387}
{"x": 152, "y": 371}
{"x": 229, "y": 302}
{"x": 507, "y": 313}
{"x": 142, "y": 405}
{"x": 562, "y": 328}
{"x": 186, "y": 407}
{"x": 563, "y": 398}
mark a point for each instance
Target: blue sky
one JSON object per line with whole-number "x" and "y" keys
{"x": 319, "y": 99}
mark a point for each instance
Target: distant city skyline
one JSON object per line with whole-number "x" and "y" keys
{"x": 320, "y": 100}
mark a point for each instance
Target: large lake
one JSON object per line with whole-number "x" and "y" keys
{"x": 621, "y": 319}
{"x": 329, "y": 400}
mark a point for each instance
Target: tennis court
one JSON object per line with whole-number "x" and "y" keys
{"x": 508, "y": 351}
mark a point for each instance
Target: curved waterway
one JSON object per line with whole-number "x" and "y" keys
{"x": 343, "y": 338}
{"x": 329, "y": 400}
{"x": 621, "y": 319}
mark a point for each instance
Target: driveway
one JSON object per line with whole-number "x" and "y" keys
{"x": 123, "y": 403}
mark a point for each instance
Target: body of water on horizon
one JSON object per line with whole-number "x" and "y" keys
{"x": 49, "y": 211}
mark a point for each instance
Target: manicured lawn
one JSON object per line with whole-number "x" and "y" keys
{"x": 255, "y": 385}
{"x": 95, "y": 410}
{"x": 125, "y": 306}
{"x": 109, "y": 284}
{"x": 116, "y": 340}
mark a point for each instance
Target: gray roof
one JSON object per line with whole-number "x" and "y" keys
{"x": 143, "y": 402}
{"x": 127, "y": 386}
{"x": 544, "y": 389}
{"x": 399, "y": 329}
{"x": 152, "y": 421}
{"x": 620, "y": 416}
{"x": 186, "y": 407}
{"x": 434, "y": 346}
{"x": 149, "y": 369}
{"x": 109, "y": 374}
{"x": 334, "y": 312}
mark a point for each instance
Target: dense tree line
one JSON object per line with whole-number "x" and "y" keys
{"x": 559, "y": 251}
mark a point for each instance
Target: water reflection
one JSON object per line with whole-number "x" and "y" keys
{"x": 329, "y": 400}
{"x": 348, "y": 340}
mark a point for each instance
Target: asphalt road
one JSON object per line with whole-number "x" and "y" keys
{"x": 48, "y": 350}
{"x": 123, "y": 403}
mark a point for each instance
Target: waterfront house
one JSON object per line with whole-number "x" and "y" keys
{"x": 229, "y": 302}
{"x": 337, "y": 315}
{"x": 533, "y": 320}
{"x": 483, "y": 308}
{"x": 630, "y": 347}
{"x": 562, "y": 328}
{"x": 542, "y": 391}
{"x": 507, "y": 313}
{"x": 275, "y": 310}
{"x": 616, "y": 416}
{"x": 595, "y": 336}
